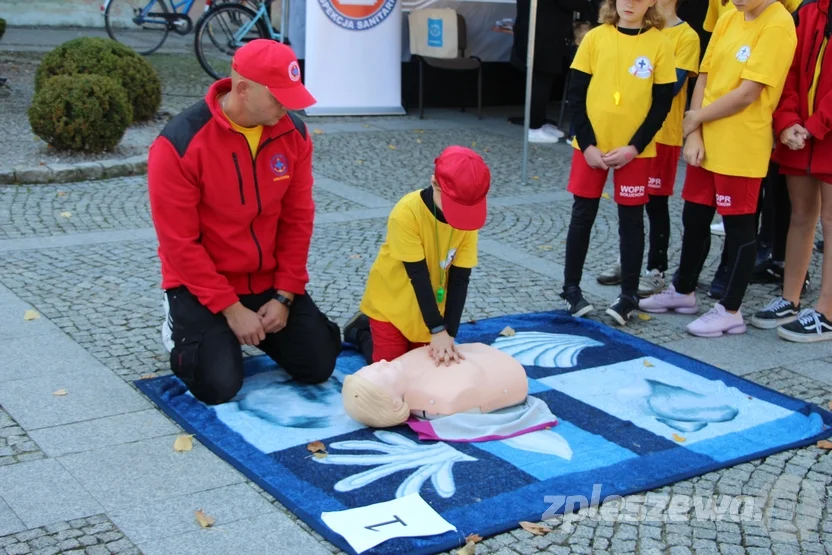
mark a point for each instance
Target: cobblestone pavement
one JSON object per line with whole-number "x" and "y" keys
{"x": 84, "y": 256}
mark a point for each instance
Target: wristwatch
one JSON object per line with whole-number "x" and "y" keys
{"x": 286, "y": 301}
{"x": 437, "y": 329}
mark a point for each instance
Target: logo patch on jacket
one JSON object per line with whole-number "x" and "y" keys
{"x": 280, "y": 167}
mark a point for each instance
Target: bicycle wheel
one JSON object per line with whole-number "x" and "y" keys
{"x": 137, "y": 23}
{"x": 221, "y": 31}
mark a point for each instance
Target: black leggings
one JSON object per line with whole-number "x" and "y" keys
{"x": 740, "y": 251}
{"x": 659, "y": 216}
{"x": 774, "y": 212}
{"x": 542, "y": 84}
{"x": 631, "y": 240}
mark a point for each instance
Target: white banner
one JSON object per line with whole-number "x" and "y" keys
{"x": 353, "y": 57}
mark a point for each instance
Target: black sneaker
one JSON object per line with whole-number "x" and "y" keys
{"x": 811, "y": 326}
{"x": 720, "y": 282}
{"x": 777, "y": 312}
{"x": 622, "y": 308}
{"x": 767, "y": 272}
{"x": 819, "y": 245}
{"x": 577, "y": 305}
{"x": 359, "y": 322}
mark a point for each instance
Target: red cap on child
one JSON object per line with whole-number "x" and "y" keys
{"x": 464, "y": 180}
{"x": 275, "y": 66}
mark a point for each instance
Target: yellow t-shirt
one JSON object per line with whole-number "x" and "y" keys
{"x": 411, "y": 237}
{"x": 761, "y": 51}
{"x": 716, "y": 10}
{"x": 686, "y": 49}
{"x": 629, "y": 65}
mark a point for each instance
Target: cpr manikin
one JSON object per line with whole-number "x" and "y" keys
{"x": 385, "y": 394}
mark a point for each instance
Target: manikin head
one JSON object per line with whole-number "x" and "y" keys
{"x": 375, "y": 395}
{"x": 265, "y": 84}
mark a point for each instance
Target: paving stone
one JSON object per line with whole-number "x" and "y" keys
{"x": 51, "y": 550}
{"x": 678, "y": 550}
{"x": 730, "y": 549}
{"x": 97, "y": 550}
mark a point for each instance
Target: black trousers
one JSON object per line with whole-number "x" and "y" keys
{"x": 542, "y": 84}
{"x": 208, "y": 358}
{"x": 774, "y": 212}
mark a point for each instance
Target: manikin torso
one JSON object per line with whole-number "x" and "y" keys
{"x": 486, "y": 380}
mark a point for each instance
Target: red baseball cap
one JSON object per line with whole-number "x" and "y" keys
{"x": 275, "y": 66}
{"x": 464, "y": 180}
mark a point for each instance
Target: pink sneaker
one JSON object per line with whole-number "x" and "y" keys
{"x": 717, "y": 321}
{"x": 669, "y": 299}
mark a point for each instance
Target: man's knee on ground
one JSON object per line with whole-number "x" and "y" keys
{"x": 217, "y": 389}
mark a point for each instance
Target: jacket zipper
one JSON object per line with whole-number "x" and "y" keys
{"x": 239, "y": 178}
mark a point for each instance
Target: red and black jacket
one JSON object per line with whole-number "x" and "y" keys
{"x": 813, "y": 26}
{"x": 230, "y": 223}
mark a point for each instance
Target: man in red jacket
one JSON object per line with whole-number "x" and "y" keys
{"x": 230, "y": 183}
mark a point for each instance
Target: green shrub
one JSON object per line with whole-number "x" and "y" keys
{"x": 80, "y": 112}
{"x": 2, "y": 27}
{"x": 110, "y": 59}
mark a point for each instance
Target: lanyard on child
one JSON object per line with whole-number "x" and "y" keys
{"x": 617, "y": 95}
{"x": 440, "y": 293}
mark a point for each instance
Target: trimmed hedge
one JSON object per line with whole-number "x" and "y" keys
{"x": 80, "y": 112}
{"x": 108, "y": 58}
{"x": 2, "y": 27}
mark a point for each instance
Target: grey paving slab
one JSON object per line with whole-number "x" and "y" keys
{"x": 750, "y": 352}
{"x": 30, "y": 356}
{"x": 355, "y": 194}
{"x": 410, "y": 124}
{"x": 91, "y": 393}
{"x": 69, "y": 240}
{"x": 273, "y": 533}
{"x": 103, "y": 432}
{"x": 148, "y": 470}
{"x": 14, "y": 324}
{"x": 42, "y": 492}
{"x": 160, "y": 519}
{"x": 9, "y": 523}
{"x": 820, "y": 370}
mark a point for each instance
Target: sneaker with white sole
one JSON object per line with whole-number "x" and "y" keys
{"x": 622, "y": 309}
{"x": 718, "y": 229}
{"x": 716, "y": 322}
{"x": 541, "y": 136}
{"x": 552, "y": 130}
{"x": 809, "y": 327}
{"x": 669, "y": 299}
{"x": 610, "y": 276}
{"x": 167, "y": 325}
{"x": 777, "y": 312}
{"x": 651, "y": 283}
{"x": 576, "y": 304}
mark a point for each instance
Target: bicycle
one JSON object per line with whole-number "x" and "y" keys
{"x": 229, "y": 26}
{"x": 144, "y": 25}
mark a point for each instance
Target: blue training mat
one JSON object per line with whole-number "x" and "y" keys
{"x": 633, "y": 416}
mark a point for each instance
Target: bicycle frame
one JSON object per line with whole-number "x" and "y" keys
{"x": 261, "y": 13}
{"x": 187, "y": 4}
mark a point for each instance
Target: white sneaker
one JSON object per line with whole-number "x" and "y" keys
{"x": 552, "y": 130}
{"x": 167, "y": 325}
{"x": 541, "y": 136}
{"x": 651, "y": 283}
{"x": 718, "y": 229}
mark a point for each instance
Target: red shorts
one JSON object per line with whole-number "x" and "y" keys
{"x": 630, "y": 181}
{"x": 662, "y": 174}
{"x": 824, "y": 177}
{"x": 388, "y": 341}
{"x": 732, "y": 195}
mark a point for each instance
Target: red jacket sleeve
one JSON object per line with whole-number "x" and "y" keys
{"x": 174, "y": 197}
{"x": 820, "y": 122}
{"x": 788, "y": 110}
{"x": 294, "y": 228}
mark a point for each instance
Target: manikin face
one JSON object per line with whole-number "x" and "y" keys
{"x": 384, "y": 375}
{"x": 632, "y": 12}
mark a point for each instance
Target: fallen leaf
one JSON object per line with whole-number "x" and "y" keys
{"x": 148, "y": 376}
{"x": 507, "y": 331}
{"x": 469, "y": 548}
{"x": 359, "y": 162}
{"x": 183, "y": 443}
{"x": 61, "y": 193}
{"x": 418, "y": 140}
{"x": 318, "y": 131}
{"x": 535, "y": 177}
{"x": 418, "y": 130}
{"x": 31, "y": 315}
{"x": 60, "y": 393}
{"x": 204, "y": 520}
{"x": 316, "y": 446}
{"x": 320, "y": 455}
{"x": 486, "y": 149}
{"x": 66, "y": 214}
{"x": 392, "y": 147}
{"x": 825, "y": 444}
{"x": 830, "y": 405}
{"x": 605, "y": 195}
{"x": 473, "y": 538}
{"x": 536, "y": 529}
{"x": 366, "y": 126}
{"x": 41, "y": 163}
{"x": 648, "y": 364}
{"x": 545, "y": 247}
{"x": 680, "y": 439}
{"x": 473, "y": 144}
{"x": 644, "y": 317}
